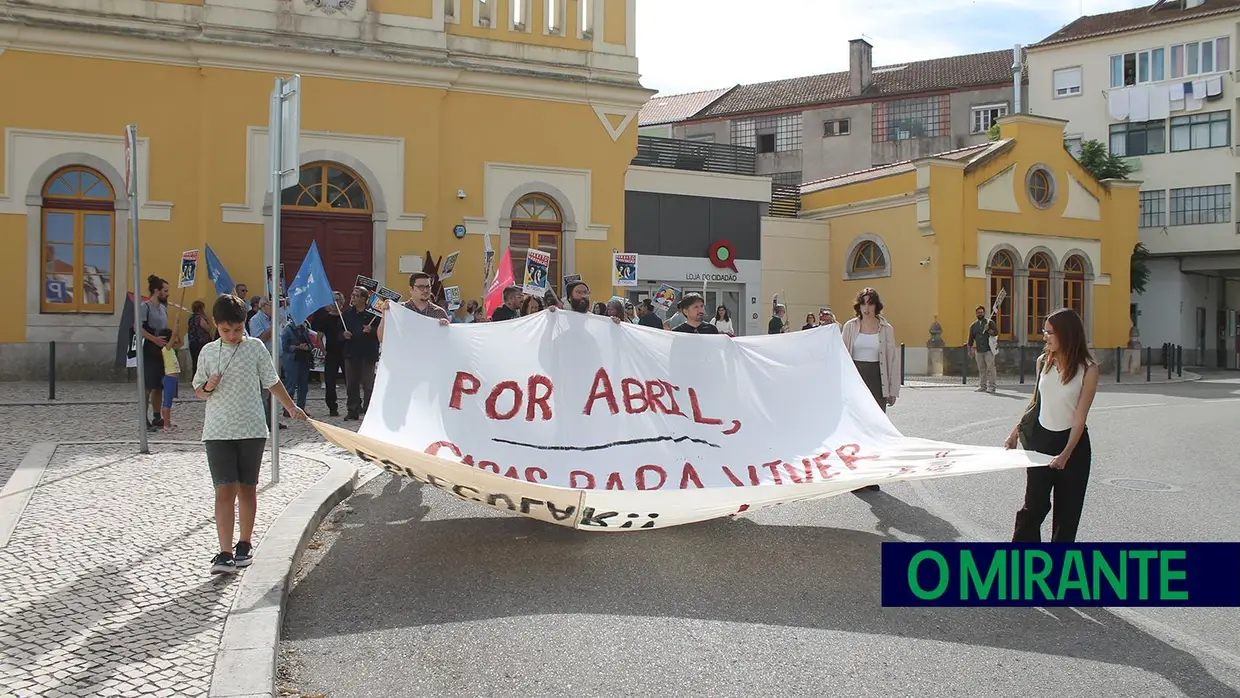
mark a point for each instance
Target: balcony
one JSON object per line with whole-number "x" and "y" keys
{"x": 695, "y": 156}
{"x": 785, "y": 201}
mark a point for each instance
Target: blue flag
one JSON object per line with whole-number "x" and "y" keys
{"x": 219, "y": 276}
{"x": 310, "y": 289}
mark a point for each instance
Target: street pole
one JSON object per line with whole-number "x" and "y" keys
{"x": 285, "y": 160}
{"x": 131, "y": 183}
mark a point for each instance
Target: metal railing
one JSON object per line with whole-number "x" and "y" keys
{"x": 695, "y": 156}
{"x": 785, "y": 201}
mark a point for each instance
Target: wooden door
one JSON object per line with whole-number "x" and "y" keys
{"x": 345, "y": 245}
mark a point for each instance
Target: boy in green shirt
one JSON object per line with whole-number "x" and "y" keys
{"x": 232, "y": 373}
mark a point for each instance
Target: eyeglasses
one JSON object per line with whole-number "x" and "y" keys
{"x": 422, "y": 287}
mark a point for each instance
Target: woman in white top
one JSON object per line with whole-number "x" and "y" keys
{"x": 723, "y": 321}
{"x": 871, "y": 342}
{"x": 1067, "y": 382}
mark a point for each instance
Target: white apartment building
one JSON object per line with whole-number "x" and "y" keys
{"x": 1158, "y": 85}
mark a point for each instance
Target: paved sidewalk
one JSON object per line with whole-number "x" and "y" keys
{"x": 1013, "y": 380}
{"x": 104, "y": 584}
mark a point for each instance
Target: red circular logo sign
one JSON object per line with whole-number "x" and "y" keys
{"x": 722, "y": 255}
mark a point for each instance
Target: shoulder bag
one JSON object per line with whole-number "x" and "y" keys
{"x": 1029, "y": 419}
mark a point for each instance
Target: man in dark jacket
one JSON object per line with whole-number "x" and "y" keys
{"x": 328, "y": 323}
{"x": 361, "y": 353}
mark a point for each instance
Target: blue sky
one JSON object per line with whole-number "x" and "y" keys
{"x": 688, "y": 45}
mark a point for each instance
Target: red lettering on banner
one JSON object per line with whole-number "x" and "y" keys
{"x": 468, "y": 460}
{"x": 463, "y": 384}
{"x": 689, "y": 473}
{"x": 655, "y": 392}
{"x": 820, "y": 462}
{"x": 797, "y": 477}
{"x": 488, "y": 465}
{"x": 602, "y": 390}
{"x": 735, "y": 480}
{"x": 697, "y": 410}
{"x": 641, "y": 477}
{"x": 433, "y": 449}
{"x": 614, "y": 482}
{"x": 535, "y": 474}
{"x": 493, "y": 399}
{"x": 635, "y": 400}
{"x": 848, "y": 455}
{"x": 512, "y": 473}
{"x": 589, "y": 478}
{"x": 736, "y": 426}
{"x": 671, "y": 394}
{"x": 538, "y": 398}
{"x": 773, "y": 466}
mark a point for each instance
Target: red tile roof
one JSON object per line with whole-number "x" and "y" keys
{"x": 675, "y": 108}
{"x": 967, "y": 153}
{"x": 935, "y": 75}
{"x": 1157, "y": 14}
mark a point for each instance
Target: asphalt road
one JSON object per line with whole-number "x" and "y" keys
{"x": 416, "y": 594}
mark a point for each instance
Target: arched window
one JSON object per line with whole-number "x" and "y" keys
{"x": 536, "y": 224}
{"x": 1002, "y": 277}
{"x": 868, "y": 259}
{"x": 326, "y": 186}
{"x": 79, "y": 215}
{"x": 1039, "y": 305}
{"x": 1074, "y": 285}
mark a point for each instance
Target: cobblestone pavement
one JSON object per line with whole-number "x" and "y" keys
{"x": 104, "y": 586}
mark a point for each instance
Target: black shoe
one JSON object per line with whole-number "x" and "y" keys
{"x": 243, "y": 554}
{"x": 333, "y": 412}
{"x": 350, "y": 417}
{"x": 223, "y": 563}
{"x": 157, "y": 422}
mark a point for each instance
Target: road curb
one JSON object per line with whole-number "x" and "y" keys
{"x": 1187, "y": 378}
{"x": 245, "y": 662}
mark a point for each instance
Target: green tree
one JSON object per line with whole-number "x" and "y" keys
{"x": 992, "y": 134}
{"x": 1103, "y": 164}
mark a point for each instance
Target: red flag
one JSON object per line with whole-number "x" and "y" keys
{"x": 503, "y": 279}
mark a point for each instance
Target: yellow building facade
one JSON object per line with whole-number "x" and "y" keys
{"x": 509, "y": 118}
{"x": 939, "y": 236}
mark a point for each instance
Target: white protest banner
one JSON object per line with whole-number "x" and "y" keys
{"x": 589, "y": 424}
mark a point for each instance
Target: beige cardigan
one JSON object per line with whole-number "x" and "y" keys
{"x": 888, "y": 353}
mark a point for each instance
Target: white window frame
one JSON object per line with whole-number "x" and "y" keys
{"x": 1069, "y": 90}
{"x": 554, "y": 12}
{"x": 981, "y": 110}
{"x": 451, "y": 11}
{"x": 1198, "y": 53}
{"x": 519, "y": 15}
{"x": 837, "y": 131}
{"x": 489, "y": 20}
{"x": 1078, "y": 138}
{"x": 585, "y": 19}
{"x": 1150, "y": 78}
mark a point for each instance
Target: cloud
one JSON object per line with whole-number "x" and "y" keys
{"x": 687, "y": 45}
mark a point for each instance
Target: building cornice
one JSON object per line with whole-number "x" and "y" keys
{"x": 853, "y": 207}
{"x": 167, "y": 42}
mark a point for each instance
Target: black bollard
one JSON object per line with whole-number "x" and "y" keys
{"x": 51, "y": 370}
{"x": 1179, "y": 361}
{"x": 964, "y": 365}
{"x": 902, "y": 363}
{"x": 1149, "y": 368}
{"x": 1167, "y": 359}
{"x": 1022, "y": 364}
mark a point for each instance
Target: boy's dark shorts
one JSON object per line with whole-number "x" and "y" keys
{"x": 235, "y": 461}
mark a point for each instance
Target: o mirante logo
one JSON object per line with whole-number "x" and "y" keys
{"x": 1056, "y": 574}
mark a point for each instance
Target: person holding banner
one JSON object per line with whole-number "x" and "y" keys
{"x": 871, "y": 342}
{"x": 694, "y": 308}
{"x": 579, "y": 300}
{"x": 1055, "y": 425}
{"x": 361, "y": 353}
